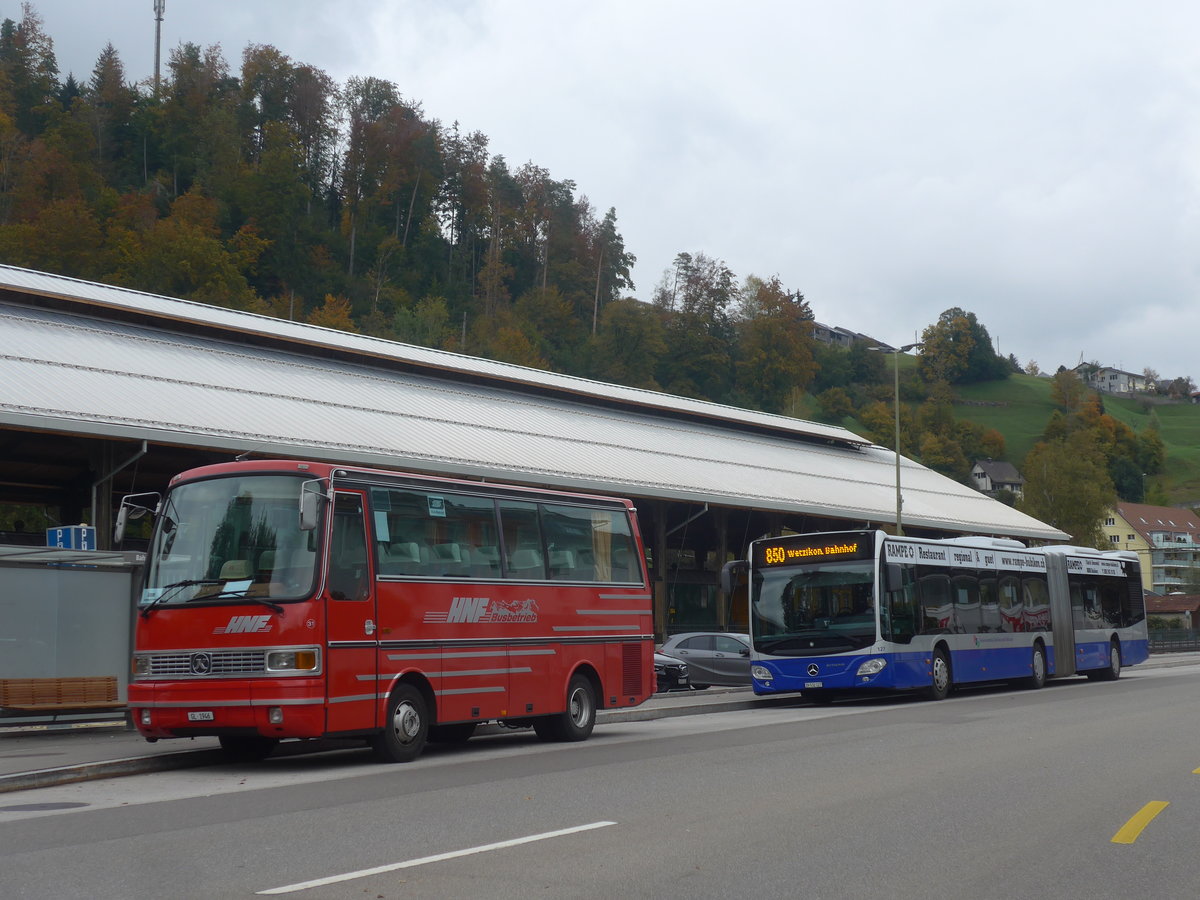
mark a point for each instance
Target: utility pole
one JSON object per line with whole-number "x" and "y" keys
{"x": 159, "y": 8}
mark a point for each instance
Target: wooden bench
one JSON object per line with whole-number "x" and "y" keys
{"x": 58, "y": 694}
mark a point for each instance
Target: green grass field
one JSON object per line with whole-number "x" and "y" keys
{"x": 1020, "y": 406}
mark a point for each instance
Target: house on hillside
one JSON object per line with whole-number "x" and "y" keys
{"x": 991, "y": 476}
{"x": 1166, "y": 540}
{"x": 836, "y": 336}
{"x": 1110, "y": 380}
{"x": 1176, "y": 610}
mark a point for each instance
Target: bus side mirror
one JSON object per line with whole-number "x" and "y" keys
{"x": 119, "y": 530}
{"x": 310, "y": 504}
{"x": 731, "y": 574}
{"x": 892, "y": 580}
{"x": 130, "y": 510}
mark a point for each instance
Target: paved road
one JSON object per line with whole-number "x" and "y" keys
{"x": 33, "y": 756}
{"x": 994, "y": 794}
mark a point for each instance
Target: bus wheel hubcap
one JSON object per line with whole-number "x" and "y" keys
{"x": 406, "y": 722}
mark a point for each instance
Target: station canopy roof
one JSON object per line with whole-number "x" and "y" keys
{"x": 88, "y": 359}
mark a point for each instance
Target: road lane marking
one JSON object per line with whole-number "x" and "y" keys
{"x": 439, "y": 857}
{"x": 1132, "y": 829}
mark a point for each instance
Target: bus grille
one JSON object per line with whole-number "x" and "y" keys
{"x": 207, "y": 664}
{"x": 631, "y": 669}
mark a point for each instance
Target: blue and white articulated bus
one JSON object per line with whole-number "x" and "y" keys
{"x": 838, "y": 613}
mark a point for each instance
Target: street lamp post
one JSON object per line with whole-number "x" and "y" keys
{"x": 896, "y": 405}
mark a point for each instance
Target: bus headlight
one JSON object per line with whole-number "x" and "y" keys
{"x": 872, "y": 667}
{"x": 762, "y": 673}
{"x": 141, "y": 665}
{"x": 293, "y": 660}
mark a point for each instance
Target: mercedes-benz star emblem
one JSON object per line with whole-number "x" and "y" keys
{"x": 812, "y": 669}
{"x": 201, "y": 663}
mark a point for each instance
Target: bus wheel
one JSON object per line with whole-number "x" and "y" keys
{"x": 248, "y": 748}
{"x": 579, "y": 719}
{"x": 942, "y": 678}
{"x": 458, "y": 733}
{"x": 1113, "y": 671}
{"x": 1037, "y": 668}
{"x": 407, "y": 727}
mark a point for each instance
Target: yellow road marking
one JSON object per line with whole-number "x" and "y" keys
{"x": 1196, "y": 771}
{"x": 1132, "y": 829}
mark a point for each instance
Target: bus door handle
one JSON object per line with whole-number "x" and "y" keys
{"x": 368, "y": 627}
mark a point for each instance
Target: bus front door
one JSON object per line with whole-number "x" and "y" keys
{"x": 352, "y": 674}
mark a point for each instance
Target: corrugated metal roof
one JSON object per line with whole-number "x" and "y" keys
{"x": 169, "y": 310}
{"x": 79, "y": 373}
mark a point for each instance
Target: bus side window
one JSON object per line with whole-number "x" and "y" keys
{"x": 937, "y": 604}
{"x": 348, "y": 553}
{"x": 899, "y": 613}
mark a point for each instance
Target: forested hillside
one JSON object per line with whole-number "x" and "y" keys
{"x": 267, "y": 187}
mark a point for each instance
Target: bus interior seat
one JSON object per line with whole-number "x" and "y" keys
{"x": 525, "y": 561}
{"x": 485, "y": 561}
{"x": 400, "y": 558}
{"x": 562, "y": 564}
{"x": 235, "y": 570}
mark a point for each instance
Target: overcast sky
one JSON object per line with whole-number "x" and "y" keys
{"x": 1035, "y": 163}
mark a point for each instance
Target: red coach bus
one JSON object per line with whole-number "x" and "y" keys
{"x": 291, "y": 599}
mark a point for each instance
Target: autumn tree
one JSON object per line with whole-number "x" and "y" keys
{"x": 695, "y": 301}
{"x": 1067, "y": 485}
{"x": 632, "y": 339}
{"x": 774, "y": 344}
{"x": 957, "y": 349}
{"x": 1068, "y": 390}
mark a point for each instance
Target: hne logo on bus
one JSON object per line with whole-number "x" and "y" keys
{"x": 485, "y": 609}
{"x": 244, "y": 625}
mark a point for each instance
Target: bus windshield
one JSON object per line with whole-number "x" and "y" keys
{"x": 813, "y": 610}
{"x": 230, "y": 540}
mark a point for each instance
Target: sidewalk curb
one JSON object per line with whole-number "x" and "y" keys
{"x": 189, "y": 759}
{"x": 112, "y": 768}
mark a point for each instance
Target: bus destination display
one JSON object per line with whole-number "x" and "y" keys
{"x": 801, "y": 548}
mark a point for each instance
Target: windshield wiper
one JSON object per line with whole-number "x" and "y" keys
{"x": 240, "y": 595}
{"x": 170, "y": 588}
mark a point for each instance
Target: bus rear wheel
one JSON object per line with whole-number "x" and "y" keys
{"x": 1037, "y": 669}
{"x": 577, "y": 722}
{"x": 406, "y": 729}
{"x": 1113, "y": 671}
{"x": 942, "y": 679}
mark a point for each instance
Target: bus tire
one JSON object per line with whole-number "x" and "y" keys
{"x": 1037, "y": 669}
{"x": 248, "y": 748}
{"x": 577, "y": 722}
{"x": 458, "y": 733}
{"x": 407, "y": 727}
{"x": 1113, "y": 671}
{"x": 942, "y": 679}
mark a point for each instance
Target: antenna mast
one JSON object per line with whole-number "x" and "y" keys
{"x": 159, "y": 7}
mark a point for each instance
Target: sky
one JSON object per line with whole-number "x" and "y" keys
{"x": 1037, "y": 164}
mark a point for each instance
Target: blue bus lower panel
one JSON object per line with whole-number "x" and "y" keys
{"x": 1093, "y": 654}
{"x": 904, "y": 670}
{"x": 910, "y": 669}
{"x": 1135, "y": 651}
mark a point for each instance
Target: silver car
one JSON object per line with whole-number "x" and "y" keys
{"x": 713, "y": 657}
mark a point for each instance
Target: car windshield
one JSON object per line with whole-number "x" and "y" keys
{"x": 813, "y": 610}
{"x": 230, "y": 539}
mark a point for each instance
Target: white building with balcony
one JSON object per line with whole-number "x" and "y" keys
{"x": 1166, "y": 540}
